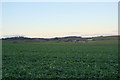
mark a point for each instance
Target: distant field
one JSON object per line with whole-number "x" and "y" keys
{"x": 98, "y": 59}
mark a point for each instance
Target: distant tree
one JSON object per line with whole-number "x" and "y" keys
{"x": 56, "y": 38}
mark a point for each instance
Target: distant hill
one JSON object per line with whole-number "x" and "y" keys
{"x": 106, "y": 38}
{"x": 60, "y": 39}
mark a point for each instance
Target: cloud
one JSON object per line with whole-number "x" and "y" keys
{"x": 6, "y": 36}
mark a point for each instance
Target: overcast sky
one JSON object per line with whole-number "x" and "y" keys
{"x": 59, "y": 19}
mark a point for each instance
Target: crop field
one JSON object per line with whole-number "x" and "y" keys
{"x": 31, "y": 60}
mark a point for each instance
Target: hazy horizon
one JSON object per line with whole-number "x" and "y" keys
{"x": 59, "y": 19}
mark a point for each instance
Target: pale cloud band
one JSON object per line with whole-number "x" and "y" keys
{"x": 60, "y": 0}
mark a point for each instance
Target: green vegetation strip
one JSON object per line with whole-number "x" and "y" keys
{"x": 60, "y": 60}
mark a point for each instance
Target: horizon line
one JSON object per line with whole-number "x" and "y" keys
{"x": 59, "y": 36}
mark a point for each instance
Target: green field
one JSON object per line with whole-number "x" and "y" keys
{"x": 60, "y": 60}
